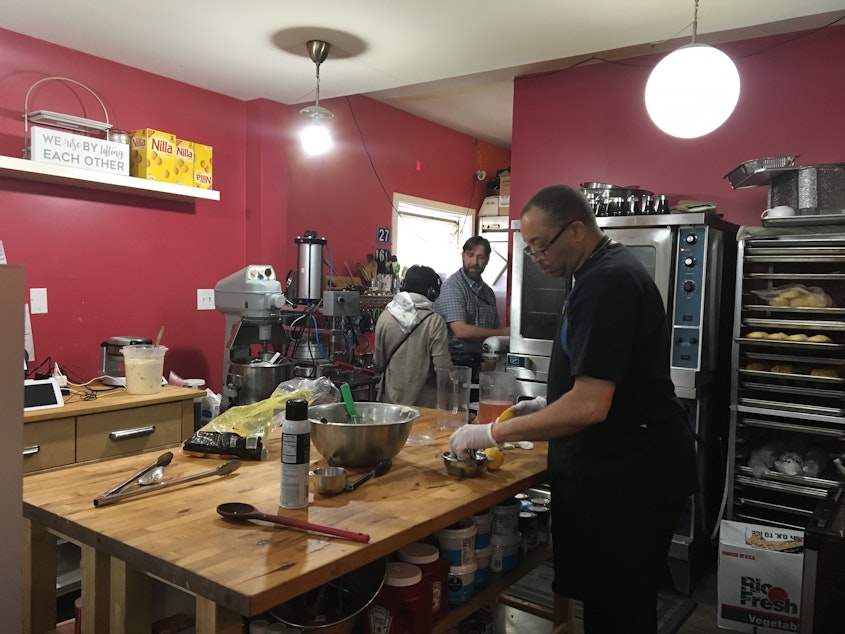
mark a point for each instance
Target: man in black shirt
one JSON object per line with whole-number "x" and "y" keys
{"x": 621, "y": 455}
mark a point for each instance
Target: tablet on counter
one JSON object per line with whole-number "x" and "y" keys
{"x": 41, "y": 394}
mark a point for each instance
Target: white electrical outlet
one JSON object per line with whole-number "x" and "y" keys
{"x": 38, "y": 301}
{"x": 205, "y": 299}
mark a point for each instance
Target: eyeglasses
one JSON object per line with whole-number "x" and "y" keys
{"x": 539, "y": 254}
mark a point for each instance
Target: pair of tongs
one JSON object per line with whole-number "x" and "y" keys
{"x": 162, "y": 461}
{"x": 118, "y": 493}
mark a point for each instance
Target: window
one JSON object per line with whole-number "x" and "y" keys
{"x": 430, "y": 233}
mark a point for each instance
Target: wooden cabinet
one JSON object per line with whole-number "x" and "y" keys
{"x": 48, "y": 444}
{"x": 112, "y": 434}
{"x": 114, "y": 424}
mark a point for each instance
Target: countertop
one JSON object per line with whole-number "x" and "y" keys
{"x": 176, "y": 535}
{"x": 110, "y": 399}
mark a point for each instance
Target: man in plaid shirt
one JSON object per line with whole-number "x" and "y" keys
{"x": 468, "y": 306}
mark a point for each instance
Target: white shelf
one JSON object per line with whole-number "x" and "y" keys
{"x": 11, "y": 167}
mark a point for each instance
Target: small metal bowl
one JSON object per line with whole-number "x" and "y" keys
{"x": 329, "y": 480}
{"x": 471, "y": 467}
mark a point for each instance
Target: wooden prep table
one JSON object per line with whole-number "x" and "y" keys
{"x": 235, "y": 569}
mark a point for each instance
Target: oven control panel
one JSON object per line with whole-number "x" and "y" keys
{"x": 690, "y": 267}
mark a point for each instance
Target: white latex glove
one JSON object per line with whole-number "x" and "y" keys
{"x": 529, "y": 406}
{"x": 472, "y": 436}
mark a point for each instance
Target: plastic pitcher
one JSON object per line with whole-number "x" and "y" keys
{"x": 453, "y": 396}
{"x": 143, "y": 368}
{"x": 496, "y": 393}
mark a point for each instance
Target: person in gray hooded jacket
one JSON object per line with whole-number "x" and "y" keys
{"x": 412, "y": 341}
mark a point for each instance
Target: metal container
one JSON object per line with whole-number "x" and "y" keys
{"x": 329, "y": 480}
{"x": 251, "y": 382}
{"x": 464, "y": 468}
{"x": 335, "y": 602}
{"x": 380, "y": 436}
{"x": 118, "y": 136}
{"x": 758, "y": 171}
{"x": 810, "y": 190}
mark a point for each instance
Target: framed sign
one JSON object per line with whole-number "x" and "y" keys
{"x": 383, "y": 235}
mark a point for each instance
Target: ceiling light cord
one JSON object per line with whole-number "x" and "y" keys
{"x": 694, "y": 22}
{"x": 317, "y": 100}
{"x": 315, "y": 138}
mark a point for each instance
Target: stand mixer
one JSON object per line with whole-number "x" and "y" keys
{"x": 251, "y": 300}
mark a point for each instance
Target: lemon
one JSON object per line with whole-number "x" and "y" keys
{"x": 507, "y": 414}
{"x": 495, "y": 458}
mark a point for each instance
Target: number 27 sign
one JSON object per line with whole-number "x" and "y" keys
{"x": 383, "y": 235}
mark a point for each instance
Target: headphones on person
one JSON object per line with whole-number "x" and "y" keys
{"x": 432, "y": 292}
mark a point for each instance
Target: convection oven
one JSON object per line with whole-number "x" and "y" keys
{"x": 788, "y": 378}
{"x": 692, "y": 259}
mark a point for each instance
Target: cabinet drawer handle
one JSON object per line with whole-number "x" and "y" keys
{"x": 124, "y": 434}
{"x": 31, "y": 451}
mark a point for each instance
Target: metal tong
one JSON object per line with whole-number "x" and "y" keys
{"x": 118, "y": 493}
{"x": 162, "y": 461}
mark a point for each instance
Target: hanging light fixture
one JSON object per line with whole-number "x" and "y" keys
{"x": 316, "y": 138}
{"x": 693, "y": 90}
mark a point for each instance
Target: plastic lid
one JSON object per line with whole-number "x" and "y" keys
{"x": 296, "y": 409}
{"x": 419, "y": 553}
{"x": 194, "y": 383}
{"x": 402, "y": 575}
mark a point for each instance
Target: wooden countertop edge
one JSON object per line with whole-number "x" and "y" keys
{"x": 111, "y": 400}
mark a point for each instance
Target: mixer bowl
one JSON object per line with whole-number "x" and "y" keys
{"x": 380, "y": 435}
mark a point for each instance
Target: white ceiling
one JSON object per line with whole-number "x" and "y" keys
{"x": 448, "y": 61}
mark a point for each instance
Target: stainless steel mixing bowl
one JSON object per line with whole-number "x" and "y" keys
{"x": 380, "y": 435}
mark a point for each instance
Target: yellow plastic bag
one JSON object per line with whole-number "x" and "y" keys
{"x": 239, "y": 432}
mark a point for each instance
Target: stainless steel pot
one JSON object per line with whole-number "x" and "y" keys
{"x": 251, "y": 382}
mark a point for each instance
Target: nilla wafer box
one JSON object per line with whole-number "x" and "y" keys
{"x": 202, "y": 166}
{"x": 184, "y": 166}
{"x": 152, "y": 155}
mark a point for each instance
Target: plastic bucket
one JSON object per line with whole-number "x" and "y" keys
{"x": 483, "y": 522}
{"x": 461, "y": 583}
{"x": 506, "y": 518}
{"x": 482, "y": 562}
{"x": 457, "y": 543}
{"x": 144, "y": 367}
{"x": 504, "y": 553}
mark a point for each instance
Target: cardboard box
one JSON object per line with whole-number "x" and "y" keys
{"x": 202, "y": 166}
{"x": 152, "y": 155}
{"x": 48, "y": 145}
{"x": 759, "y": 587}
{"x": 504, "y": 194}
{"x": 489, "y": 206}
{"x": 184, "y": 168}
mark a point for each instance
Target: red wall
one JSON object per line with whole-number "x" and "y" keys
{"x": 119, "y": 264}
{"x": 590, "y": 124}
{"x": 345, "y": 197}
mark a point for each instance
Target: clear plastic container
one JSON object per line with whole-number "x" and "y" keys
{"x": 144, "y": 367}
